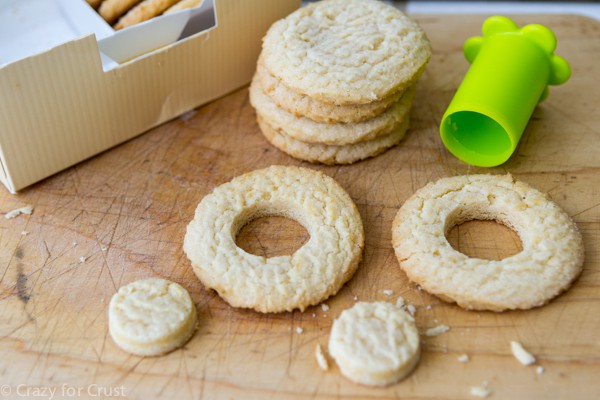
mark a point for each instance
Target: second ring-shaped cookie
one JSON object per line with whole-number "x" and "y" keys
{"x": 314, "y": 272}
{"x": 552, "y": 255}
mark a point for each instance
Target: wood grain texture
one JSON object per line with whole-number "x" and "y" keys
{"x": 126, "y": 210}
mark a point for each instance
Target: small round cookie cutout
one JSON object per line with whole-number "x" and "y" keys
{"x": 314, "y": 272}
{"x": 346, "y": 51}
{"x": 551, "y": 259}
{"x": 151, "y": 317}
{"x": 375, "y": 344}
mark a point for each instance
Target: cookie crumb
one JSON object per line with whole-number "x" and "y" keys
{"x": 428, "y": 307}
{"x": 103, "y": 248}
{"x": 321, "y": 359}
{"x": 411, "y": 309}
{"x": 437, "y": 330}
{"x": 463, "y": 358}
{"x": 24, "y": 233}
{"x": 419, "y": 288}
{"x": 388, "y": 292}
{"x": 82, "y": 259}
{"x": 480, "y": 391}
{"x": 540, "y": 370}
{"x": 314, "y": 315}
{"x": 18, "y": 211}
{"x": 400, "y": 302}
{"x": 355, "y": 298}
{"x": 74, "y": 243}
{"x": 324, "y": 307}
{"x": 522, "y": 355}
{"x": 299, "y": 330}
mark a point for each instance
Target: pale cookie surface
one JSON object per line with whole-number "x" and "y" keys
{"x": 314, "y": 272}
{"x": 301, "y": 105}
{"x": 309, "y": 131}
{"x": 94, "y": 3}
{"x": 346, "y": 51}
{"x": 551, "y": 258}
{"x": 182, "y": 5}
{"x": 144, "y": 11}
{"x": 330, "y": 155}
{"x": 151, "y": 317}
{"x": 375, "y": 343}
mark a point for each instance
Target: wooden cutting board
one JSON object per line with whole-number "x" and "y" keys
{"x": 125, "y": 213}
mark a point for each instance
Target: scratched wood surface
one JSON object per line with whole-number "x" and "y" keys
{"x": 125, "y": 213}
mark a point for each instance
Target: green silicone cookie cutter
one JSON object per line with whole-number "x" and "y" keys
{"x": 510, "y": 73}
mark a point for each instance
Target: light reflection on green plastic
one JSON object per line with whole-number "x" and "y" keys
{"x": 477, "y": 138}
{"x": 510, "y": 73}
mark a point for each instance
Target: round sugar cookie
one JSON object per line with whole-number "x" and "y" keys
{"x": 346, "y": 51}
{"x": 331, "y": 155}
{"x": 309, "y": 131}
{"x": 301, "y": 105}
{"x": 375, "y": 344}
{"x": 151, "y": 317}
{"x": 314, "y": 272}
{"x": 551, "y": 258}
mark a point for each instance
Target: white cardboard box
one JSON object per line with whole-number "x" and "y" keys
{"x": 68, "y": 96}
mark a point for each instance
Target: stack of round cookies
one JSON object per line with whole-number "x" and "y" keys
{"x": 335, "y": 80}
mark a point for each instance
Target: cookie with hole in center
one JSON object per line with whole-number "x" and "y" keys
{"x": 314, "y": 272}
{"x": 551, "y": 258}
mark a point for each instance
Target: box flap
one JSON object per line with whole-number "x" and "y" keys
{"x": 59, "y": 107}
{"x": 28, "y": 27}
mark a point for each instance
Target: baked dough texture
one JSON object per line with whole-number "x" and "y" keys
{"x": 346, "y": 51}
{"x": 314, "y": 272}
{"x": 301, "y": 105}
{"x": 330, "y": 155}
{"x": 144, "y": 11}
{"x": 151, "y": 317}
{"x": 375, "y": 344}
{"x": 110, "y": 10}
{"x": 309, "y": 131}
{"x": 182, "y": 5}
{"x": 551, "y": 259}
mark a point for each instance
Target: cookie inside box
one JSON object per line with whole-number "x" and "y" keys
{"x": 28, "y": 27}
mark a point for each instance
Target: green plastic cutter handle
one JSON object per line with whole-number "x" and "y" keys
{"x": 510, "y": 73}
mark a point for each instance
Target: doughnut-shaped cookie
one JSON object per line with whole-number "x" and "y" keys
{"x": 314, "y": 272}
{"x": 151, "y": 317}
{"x": 551, "y": 258}
{"x": 346, "y": 51}
{"x": 375, "y": 344}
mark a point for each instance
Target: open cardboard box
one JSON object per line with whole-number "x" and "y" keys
{"x": 71, "y": 87}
